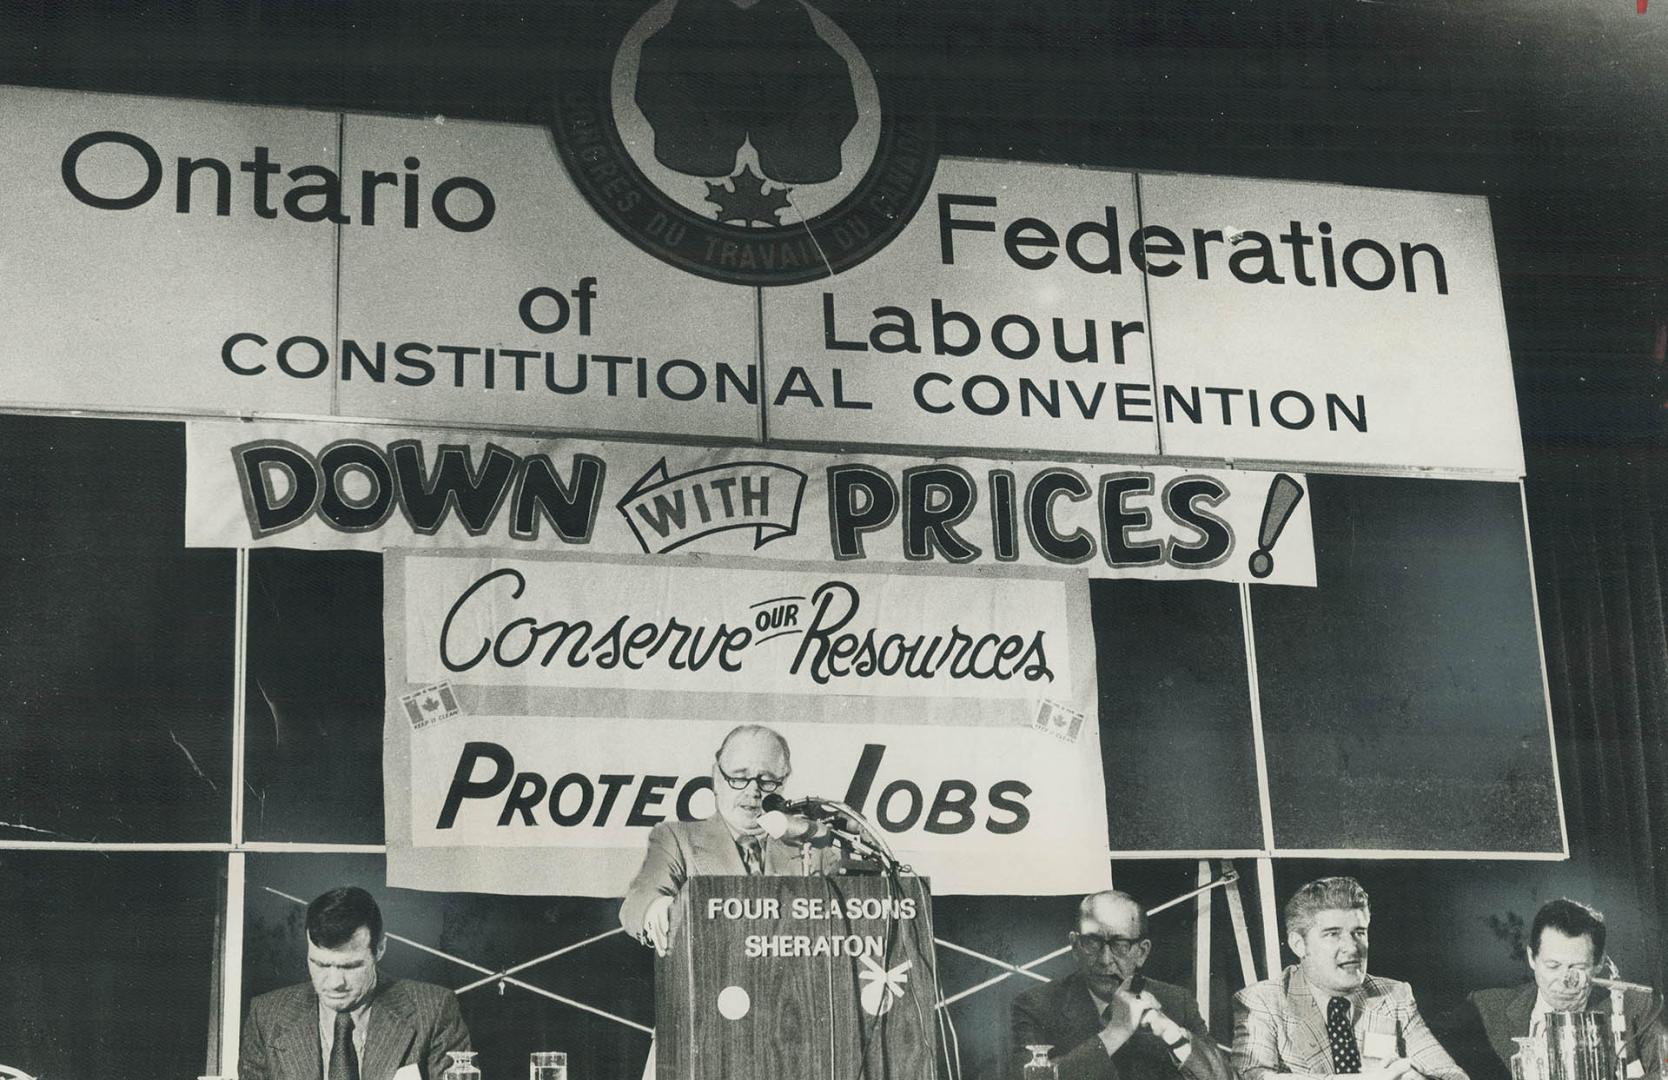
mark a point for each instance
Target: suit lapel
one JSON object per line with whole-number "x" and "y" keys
{"x": 715, "y": 851}
{"x": 1308, "y": 1028}
{"x": 1597, "y": 1001}
{"x": 296, "y": 1045}
{"x": 1078, "y": 1017}
{"x": 1378, "y": 1010}
{"x": 1519, "y": 1010}
{"x": 393, "y": 1029}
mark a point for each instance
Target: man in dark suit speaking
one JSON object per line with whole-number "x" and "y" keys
{"x": 349, "y": 1022}
{"x": 1100, "y": 1023}
{"x": 753, "y": 761}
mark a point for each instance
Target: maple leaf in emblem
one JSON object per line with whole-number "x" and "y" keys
{"x": 748, "y": 202}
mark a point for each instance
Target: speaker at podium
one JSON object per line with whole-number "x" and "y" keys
{"x": 798, "y": 978}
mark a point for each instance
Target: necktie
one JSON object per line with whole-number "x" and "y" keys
{"x": 751, "y": 858}
{"x": 1345, "y": 1057}
{"x": 344, "y": 1063}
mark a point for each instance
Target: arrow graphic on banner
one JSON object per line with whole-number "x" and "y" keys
{"x": 666, "y": 512}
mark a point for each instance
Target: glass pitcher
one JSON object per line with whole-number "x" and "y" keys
{"x": 462, "y": 1066}
{"x": 1040, "y": 1067}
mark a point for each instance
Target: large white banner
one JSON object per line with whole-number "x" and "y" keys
{"x": 216, "y": 259}
{"x": 1317, "y": 323}
{"x": 207, "y": 258}
{"x": 335, "y": 486}
{"x": 543, "y": 715}
{"x": 1213, "y": 318}
{"x": 960, "y": 334}
{"x": 123, "y": 280}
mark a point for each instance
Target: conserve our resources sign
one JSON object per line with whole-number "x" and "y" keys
{"x": 544, "y": 714}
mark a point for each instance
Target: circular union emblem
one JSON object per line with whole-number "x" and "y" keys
{"x": 747, "y": 141}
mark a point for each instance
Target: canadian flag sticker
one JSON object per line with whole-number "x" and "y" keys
{"x": 430, "y": 705}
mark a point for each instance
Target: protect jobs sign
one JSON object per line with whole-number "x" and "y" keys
{"x": 536, "y": 705}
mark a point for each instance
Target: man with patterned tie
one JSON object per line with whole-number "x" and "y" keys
{"x": 752, "y": 761}
{"x": 1100, "y": 1025}
{"x": 1325, "y": 1016}
{"x": 349, "y": 1022}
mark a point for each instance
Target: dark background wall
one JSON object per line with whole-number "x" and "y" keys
{"x": 1555, "y": 109}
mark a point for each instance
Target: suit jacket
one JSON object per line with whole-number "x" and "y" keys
{"x": 411, "y": 1023}
{"x": 1278, "y": 1028}
{"x": 680, "y": 850}
{"x": 1480, "y": 1031}
{"x": 1061, "y": 1014}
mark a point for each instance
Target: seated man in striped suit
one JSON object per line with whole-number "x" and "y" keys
{"x": 350, "y": 1021}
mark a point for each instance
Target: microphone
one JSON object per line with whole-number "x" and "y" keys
{"x": 1621, "y": 984}
{"x": 783, "y": 821}
{"x": 810, "y": 806}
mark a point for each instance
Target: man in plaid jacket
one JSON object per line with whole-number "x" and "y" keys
{"x": 1325, "y": 1016}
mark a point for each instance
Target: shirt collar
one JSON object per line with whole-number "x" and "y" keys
{"x": 327, "y": 1015}
{"x": 739, "y": 839}
{"x": 1537, "y": 1015}
{"x": 1354, "y": 997}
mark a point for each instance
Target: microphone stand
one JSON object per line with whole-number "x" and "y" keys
{"x": 863, "y": 841}
{"x": 856, "y": 843}
{"x": 1626, "y": 1067}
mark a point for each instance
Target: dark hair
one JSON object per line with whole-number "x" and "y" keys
{"x": 1324, "y": 894}
{"x": 1570, "y": 918}
{"x": 336, "y": 916}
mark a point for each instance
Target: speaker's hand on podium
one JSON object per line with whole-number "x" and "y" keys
{"x": 657, "y": 924}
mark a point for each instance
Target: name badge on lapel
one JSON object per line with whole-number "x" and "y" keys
{"x": 1380, "y": 1046}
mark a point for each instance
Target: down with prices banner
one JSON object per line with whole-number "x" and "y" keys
{"x": 371, "y": 488}
{"x": 543, "y": 714}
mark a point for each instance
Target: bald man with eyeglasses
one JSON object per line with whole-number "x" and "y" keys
{"x": 753, "y": 761}
{"x": 1105, "y": 1020}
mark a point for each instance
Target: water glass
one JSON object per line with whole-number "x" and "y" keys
{"x": 1040, "y": 1067}
{"x": 547, "y": 1065}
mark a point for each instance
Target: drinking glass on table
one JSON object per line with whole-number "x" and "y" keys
{"x": 1040, "y": 1067}
{"x": 547, "y": 1065}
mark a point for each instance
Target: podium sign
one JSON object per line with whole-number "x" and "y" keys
{"x": 798, "y": 978}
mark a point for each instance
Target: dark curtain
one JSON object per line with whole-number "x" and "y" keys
{"x": 1599, "y": 525}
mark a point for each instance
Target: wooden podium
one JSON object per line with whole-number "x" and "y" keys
{"x": 798, "y": 978}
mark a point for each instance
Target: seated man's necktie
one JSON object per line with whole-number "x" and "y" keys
{"x": 1346, "y": 1058}
{"x": 344, "y": 1063}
